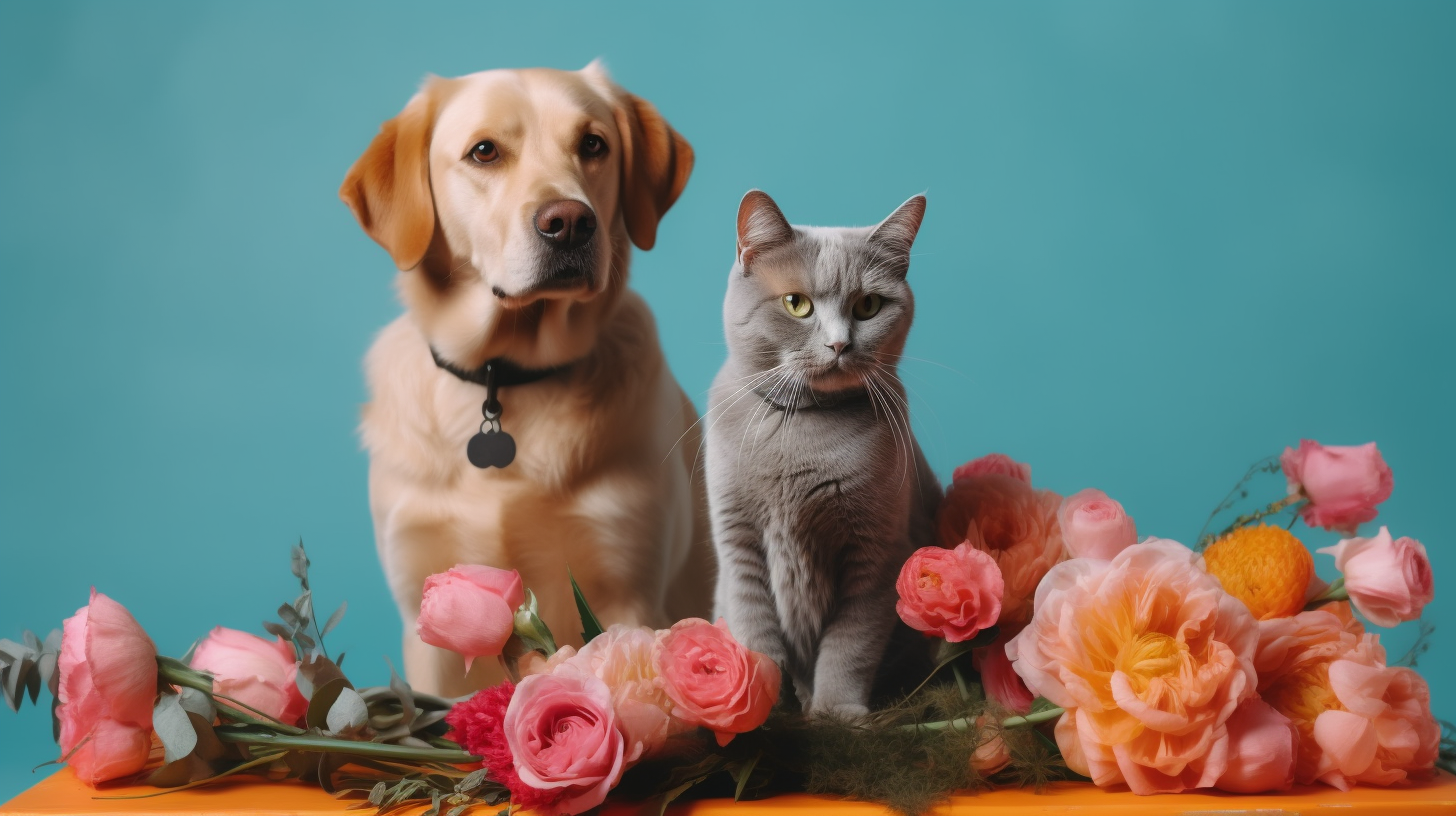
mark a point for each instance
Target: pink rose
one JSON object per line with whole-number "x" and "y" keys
{"x": 1389, "y": 581}
{"x": 108, "y": 684}
{"x": 951, "y": 594}
{"x": 470, "y": 610}
{"x": 713, "y": 681}
{"x": 1263, "y": 747}
{"x": 1094, "y": 526}
{"x": 993, "y": 463}
{"x": 1343, "y": 483}
{"x": 1382, "y": 731}
{"x": 1000, "y": 681}
{"x": 564, "y": 738}
{"x": 623, "y": 658}
{"x": 254, "y": 671}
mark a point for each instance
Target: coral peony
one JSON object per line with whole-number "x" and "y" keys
{"x": 993, "y": 464}
{"x": 1358, "y": 720}
{"x": 108, "y": 684}
{"x": 470, "y": 610}
{"x": 1263, "y": 745}
{"x": 1343, "y": 483}
{"x": 564, "y": 737}
{"x": 623, "y": 658}
{"x": 1389, "y": 580}
{"x": 1017, "y": 525}
{"x": 999, "y": 680}
{"x": 255, "y": 671}
{"x": 1266, "y": 567}
{"x": 713, "y": 680}
{"x": 1149, "y": 657}
{"x": 1095, "y": 526}
{"x": 952, "y": 594}
{"x": 478, "y": 724}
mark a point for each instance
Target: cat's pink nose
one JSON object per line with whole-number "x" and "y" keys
{"x": 838, "y": 346}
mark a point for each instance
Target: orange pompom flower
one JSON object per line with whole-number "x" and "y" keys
{"x": 1265, "y": 567}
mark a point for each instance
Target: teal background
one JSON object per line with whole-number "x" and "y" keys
{"x": 1164, "y": 240}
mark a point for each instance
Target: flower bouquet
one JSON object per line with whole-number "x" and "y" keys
{"x": 1066, "y": 649}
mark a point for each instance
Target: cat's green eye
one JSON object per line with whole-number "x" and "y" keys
{"x": 798, "y": 305}
{"x": 868, "y": 306}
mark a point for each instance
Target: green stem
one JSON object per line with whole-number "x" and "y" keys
{"x": 262, "y": 760}
{"x": 1335, "y": 592}
{"x": 966, "y": 723}
{"x": 325, "y": 745}
{"x": 961, "y": 681}
{"x": 180, "y": 674}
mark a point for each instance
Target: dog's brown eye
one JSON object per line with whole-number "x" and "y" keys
{"x": 485, "y": 152}
{"x": 593, "y": 146}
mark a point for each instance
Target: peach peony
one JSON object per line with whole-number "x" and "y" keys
{"x": 1358, "y": 720}
{"x": 1263, "y": 745}
{"x": 1149, "y": 657}
{"x": 1014, "y": 523}
{"x": 993, "y": 463}
{"x": 623, "y": 657}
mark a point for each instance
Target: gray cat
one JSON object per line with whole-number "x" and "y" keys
{"x": 818, "y": 492}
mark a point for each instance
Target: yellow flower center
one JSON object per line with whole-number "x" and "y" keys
{"x": 1149, "y": 657}
{"x": 1302, "y": 695}
{"x": 929, "y": 580}
{"x": 1266, "y": 567}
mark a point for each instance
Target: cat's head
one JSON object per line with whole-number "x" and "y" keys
{"x": 827, "y": 305}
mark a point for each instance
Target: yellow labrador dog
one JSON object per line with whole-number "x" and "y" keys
{"x": 522, "y": 414}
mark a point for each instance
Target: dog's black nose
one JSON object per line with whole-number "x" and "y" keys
{"x": 566, "y": 224}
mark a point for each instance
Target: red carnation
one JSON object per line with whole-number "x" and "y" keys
{"x": 477, "y": 725}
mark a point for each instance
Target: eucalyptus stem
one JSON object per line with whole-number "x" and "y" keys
{"x": 327, "y": 745}
{"x": 967, "y": 723}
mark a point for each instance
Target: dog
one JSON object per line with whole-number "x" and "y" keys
{"x": 507, "y": 200}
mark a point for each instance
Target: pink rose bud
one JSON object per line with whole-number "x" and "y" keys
{"x": 565, "y": 739}
{"x": 1389, "y": 581}
{"x": 951, "y": 594}
{"x": 1000, "y": 681}
{"x": 713, "y": 680}
{"x": 996, "y": 464}
{"x": 108, "y": 684}
{"x": 253, "y": 670}
{"x": 1094, "y": 526}
{"x": 470, "y": 610}
{"x": 1263, "y": 745}
{"x": 1343, "y": 483}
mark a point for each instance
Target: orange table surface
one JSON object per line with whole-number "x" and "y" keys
{"x": 62, "y": 794}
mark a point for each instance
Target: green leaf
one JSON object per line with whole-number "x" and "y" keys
{"x": 334, "y": 619}
{"x": 742, "y": 773}
{"x": 323, "y": 701}
{"x": 198, "y": 702}
{"x": 590, "y": 626}
{"x": 348, "y": 711}
{"x": 1041, "y": 704}
{"x": 174, "y": 729}
{"x": 667, "y": 798}
{"x": 300, "y": 563}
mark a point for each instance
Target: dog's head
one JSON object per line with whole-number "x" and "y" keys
{"x": 506, "y": 199}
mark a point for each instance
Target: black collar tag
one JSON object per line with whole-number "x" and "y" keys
{"x": 492, "y": 446}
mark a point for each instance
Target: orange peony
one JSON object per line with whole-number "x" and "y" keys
{"x": 1149, "y": 657}
{"x": 1012, "y": 522}
{"x": 1358, "y": 720}
{"x": 1266, "y": 567}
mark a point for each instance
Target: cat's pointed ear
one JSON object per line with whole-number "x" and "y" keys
{"x": 762, "y": 227}
{"x": 896, "y": 234}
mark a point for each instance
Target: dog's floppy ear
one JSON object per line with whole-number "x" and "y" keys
{"x": 656, "y": 162}
{"x": 388, "y": 188}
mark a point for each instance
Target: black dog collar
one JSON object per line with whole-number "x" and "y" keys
{"x": 493, "y": 447}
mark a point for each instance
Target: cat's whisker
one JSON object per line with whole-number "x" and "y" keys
{"x": 760, "y": 412}
{"x": 709, "y": 412}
